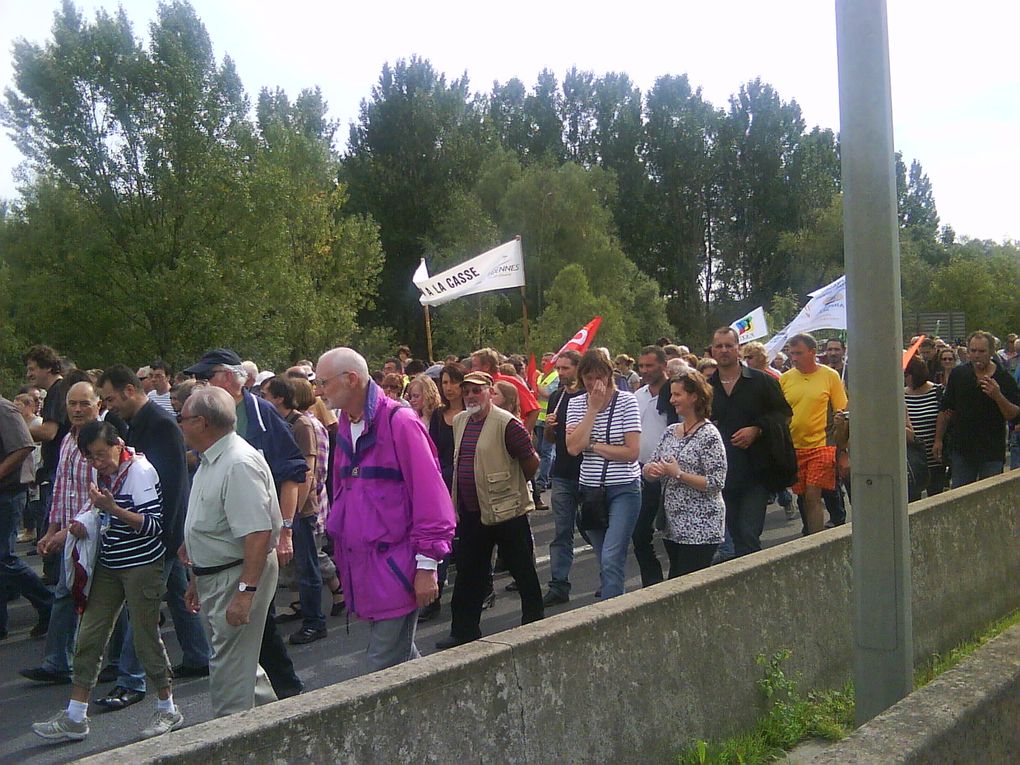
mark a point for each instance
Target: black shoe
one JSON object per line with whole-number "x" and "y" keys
{"x": 512, "y": 587}
{"x": 336, "y": 609}
{"x": 450, "y": 642}
{"x": 41, "y": 626}
{"x": 286, "y": 693}
{"x": 119, "y": 698}
{"x": 306, "y": 635}
{"x": 183, "y": 670}
{"x": 553, "y": 598}
{"x": 43, "y": 675}
{"x": 490, "y": 600}
{"x": 430, "y": 612}
{"x": 108, "y": 674}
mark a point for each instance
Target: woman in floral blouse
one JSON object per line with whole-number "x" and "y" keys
{"x": 691, "y": 461}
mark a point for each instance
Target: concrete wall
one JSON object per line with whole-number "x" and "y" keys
{"x": 970, "y": 714}
{"x": 635, "y": 678}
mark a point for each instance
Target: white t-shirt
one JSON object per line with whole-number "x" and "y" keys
{"x": 653, "y": 424}
{"x": 626, "y": 419}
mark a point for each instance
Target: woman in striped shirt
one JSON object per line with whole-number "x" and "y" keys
{"x": 129, "y": 570}
{"x": 923, "y": 400}
{"x": 605, "y": 426}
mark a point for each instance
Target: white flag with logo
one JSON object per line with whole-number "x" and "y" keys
{"x": 825, "y": 310}
{"x": 497, "y": 269}
{"x": 751, "y": 327}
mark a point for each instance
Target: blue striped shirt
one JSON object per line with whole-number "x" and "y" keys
{"x": 136, "y": 488}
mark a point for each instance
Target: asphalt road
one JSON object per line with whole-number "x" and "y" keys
{"x": 338, "y": 657}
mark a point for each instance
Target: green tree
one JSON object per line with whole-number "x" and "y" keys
{"x": 153, "y": 221}
{"x": 681, "y": 134}
{"x": 417, "y": 141}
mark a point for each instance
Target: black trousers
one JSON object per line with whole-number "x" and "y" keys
{"x": 275, "y": 660}
{"x": 686, "y": 559}
{"x": 472, "y": 553}
{"x": 644, "y": 550}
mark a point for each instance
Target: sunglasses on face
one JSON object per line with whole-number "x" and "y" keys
{"x": 471, "y": 389}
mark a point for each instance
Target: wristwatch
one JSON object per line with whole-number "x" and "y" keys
{"x": 288, "y": 523}
{"x": 242, "y": 587}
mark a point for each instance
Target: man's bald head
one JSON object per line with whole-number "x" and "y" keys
{"x": 82, "y": 403}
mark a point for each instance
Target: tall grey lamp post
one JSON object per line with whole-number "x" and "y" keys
{"x": 883, "y": 637}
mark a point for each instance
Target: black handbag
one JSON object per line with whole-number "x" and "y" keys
{"x": 594, "y": 515}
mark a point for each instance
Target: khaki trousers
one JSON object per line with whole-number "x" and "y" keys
{"x": 236, "y": 681}
{"x": 142, "y": 588}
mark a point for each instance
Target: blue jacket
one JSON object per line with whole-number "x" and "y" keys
{"x": 270, "y": 434}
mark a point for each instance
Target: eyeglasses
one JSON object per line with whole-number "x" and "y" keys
{"x": 474, "y": 390}
{"x": 321, "y": 381}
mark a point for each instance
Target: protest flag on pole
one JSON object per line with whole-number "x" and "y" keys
{"x": 752, "y": 326}
{"x": 579, "y": 342}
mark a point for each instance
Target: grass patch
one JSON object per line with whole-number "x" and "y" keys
{"x": 793, "y": 717}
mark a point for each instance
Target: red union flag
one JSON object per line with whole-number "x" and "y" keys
{"x": 578, "y": 342}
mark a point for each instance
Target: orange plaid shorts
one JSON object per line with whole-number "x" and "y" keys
{"x": 815, "y": 467}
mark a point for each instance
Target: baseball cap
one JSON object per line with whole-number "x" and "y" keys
{"x": 478, "y": 378}
{"x": 217, "y": 357}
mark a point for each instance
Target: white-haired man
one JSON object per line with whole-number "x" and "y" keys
{"x": 231, "y": 531}
{"x": 392, "y": 518}
{"x": 258, "y": 423}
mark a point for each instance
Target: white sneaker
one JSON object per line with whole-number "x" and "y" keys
{"x": 163, "y": 722}
{"x": 60, "y": 727}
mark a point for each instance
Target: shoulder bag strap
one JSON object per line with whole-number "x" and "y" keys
{"x": 609, "y": 424}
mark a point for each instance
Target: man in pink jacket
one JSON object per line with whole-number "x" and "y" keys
{"x": 391, "y": 519}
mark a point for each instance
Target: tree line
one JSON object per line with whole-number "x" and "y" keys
{"x": 161, "y": 214}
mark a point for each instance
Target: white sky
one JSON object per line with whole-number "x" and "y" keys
{"x": 955, "y": 80}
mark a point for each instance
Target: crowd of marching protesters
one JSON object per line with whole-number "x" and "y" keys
{"x": 368, "y": 490}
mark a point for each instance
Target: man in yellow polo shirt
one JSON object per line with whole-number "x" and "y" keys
{"x": 811, "y": 389}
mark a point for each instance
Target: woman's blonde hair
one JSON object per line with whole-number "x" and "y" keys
{"x": 431, "y": 400}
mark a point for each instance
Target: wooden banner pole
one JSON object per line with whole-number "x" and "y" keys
{"x": 428, "y": 334}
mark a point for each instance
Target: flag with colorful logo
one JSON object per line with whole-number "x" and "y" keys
{"x": 752, "y": 326}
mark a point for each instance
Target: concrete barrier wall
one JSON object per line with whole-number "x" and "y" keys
{"x": 635, "y": 678}
{"x": 970, "y": 714}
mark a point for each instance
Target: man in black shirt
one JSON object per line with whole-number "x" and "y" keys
{"x": 43, "y": 369}
{"x": 566, "y": 469}
{"x": 743, "y": 399}
{"x": 980, "y": 399}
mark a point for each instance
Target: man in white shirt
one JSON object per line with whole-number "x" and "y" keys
{"x": 652, "y": 368}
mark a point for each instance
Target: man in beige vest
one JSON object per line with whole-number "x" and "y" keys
{"x": 493, "y": 461}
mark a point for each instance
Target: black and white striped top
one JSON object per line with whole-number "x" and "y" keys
{"x": 923, "y": 411}
{"x": 626, "y": 419}
{"x": 137, "y": 490}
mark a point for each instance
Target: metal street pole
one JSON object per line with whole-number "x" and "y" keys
{"x": 883, "y": 636}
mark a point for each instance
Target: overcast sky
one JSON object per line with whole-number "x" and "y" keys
{"x": 955, "y": 79}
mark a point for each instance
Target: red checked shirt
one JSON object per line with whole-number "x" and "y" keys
{"x": 71, "y": 482}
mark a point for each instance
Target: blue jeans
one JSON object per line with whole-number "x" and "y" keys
{"x": 59, "y": 649}
{"x": 546, "y": 453}
{"x": 611, "y": 544}
{"x": 306, "y": 558}
{"x": 966, "y": 470}
{"x": 566, "y": 496}
{"x": 188, "y": 626}
{"x": 15, "y": 575}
